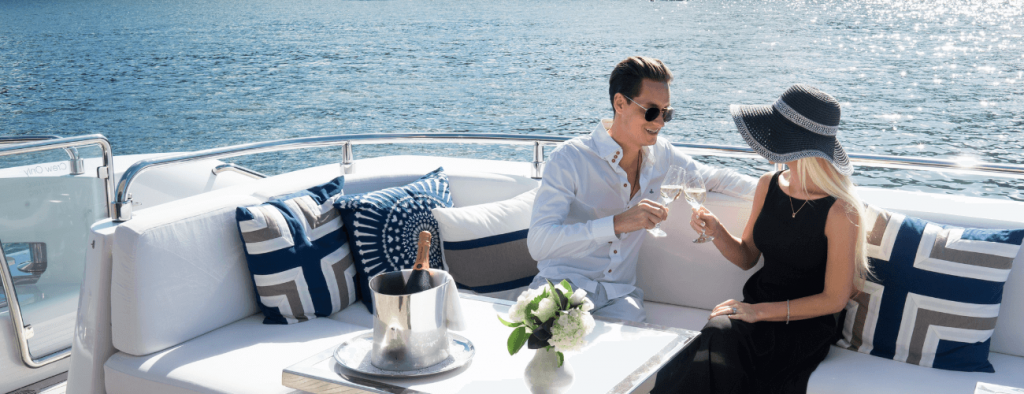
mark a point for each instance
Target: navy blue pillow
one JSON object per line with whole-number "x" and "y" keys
{"x": 936, "y": 292}
{"x": 298, "y": 255}
{"x": 384, "y": 226}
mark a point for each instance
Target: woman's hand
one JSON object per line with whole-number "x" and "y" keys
{"x": 735, "y": 310}
{"x": 703, "y": 219}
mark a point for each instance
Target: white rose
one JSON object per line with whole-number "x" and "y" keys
{"x": 515, "y": 313}
{"x": 577, "y": 297}
{"x": 587, "y": 306}
{"x": 546, "y": 309}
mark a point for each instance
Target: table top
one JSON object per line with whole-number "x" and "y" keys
{"x": 987, "y": 388}
{"x": 619, "y": 357}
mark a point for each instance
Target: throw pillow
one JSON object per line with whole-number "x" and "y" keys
{"x": 936, "y": 293}
{"x": 298, "y": 256}
{"x": 485, "y": 245}
{"x": 384, "y": 226}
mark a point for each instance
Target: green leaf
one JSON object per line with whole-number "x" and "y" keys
{"x": 516, "y": 340}
{"x": 561, "y": 359}
{"x": 563, "y": 301}
{"x": 567, "y": 286}
{"x": 509, "y": 324}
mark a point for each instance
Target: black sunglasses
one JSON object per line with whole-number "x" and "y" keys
{"x": 651, "y": 114}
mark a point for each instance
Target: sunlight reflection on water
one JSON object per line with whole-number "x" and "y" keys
{"x": 922, "y": 78}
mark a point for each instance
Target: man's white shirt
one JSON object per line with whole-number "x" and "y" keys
{"x": 572, "y": 234}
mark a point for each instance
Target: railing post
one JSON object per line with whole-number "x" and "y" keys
{"x": 346, "y": 157}
{"x": 538, "y": 160}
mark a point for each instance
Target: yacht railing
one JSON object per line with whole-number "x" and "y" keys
{"x": 123, "y": 202}
{"x": 106, "y": 172}
{"x": 76, "y": 165}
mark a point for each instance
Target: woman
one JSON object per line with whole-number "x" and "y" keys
{"x": 806, "y": 221}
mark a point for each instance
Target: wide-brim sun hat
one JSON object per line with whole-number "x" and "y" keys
{"x": 803, "y": 122}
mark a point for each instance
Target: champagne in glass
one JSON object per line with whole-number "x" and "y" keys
{"x": 671, "y": 189}
{"x": 695, "y": 193}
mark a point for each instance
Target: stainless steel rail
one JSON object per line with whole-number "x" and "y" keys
{"x": 122, "y": 203}
{"x": 122, "y": 206}
{"x": 231, "y": 167}
{"x": 76, "y": 164}
{"x": 106, "y": 172}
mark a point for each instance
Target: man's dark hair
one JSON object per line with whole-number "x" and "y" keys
{"x": 628, "y": 76}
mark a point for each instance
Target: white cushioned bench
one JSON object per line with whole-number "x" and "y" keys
{"x": 183, "y": 311}
{"x": 184, "y": 317}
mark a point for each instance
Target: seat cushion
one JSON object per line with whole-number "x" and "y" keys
{"x": 243, "y": 357}
{"x": 845, "y": 371}
{"x": 676, "y": 316}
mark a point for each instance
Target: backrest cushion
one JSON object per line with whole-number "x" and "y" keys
{"x": 485, "y": 245}
{"x": 178, "y": 272}
{"x": 383, "y": 226}
{"x": 935, "y": 295}
{"x": 298, "y": 255}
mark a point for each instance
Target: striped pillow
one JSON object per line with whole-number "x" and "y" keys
{"x": 936, "y": 295}
{"x": 485, "y": 245}
{"x": 298, "y": 255}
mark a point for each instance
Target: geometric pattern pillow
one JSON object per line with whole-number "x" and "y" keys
{"x": 485, "y": 245}
{"x": 298, "y": 255}
{"x": 936, "y": 293}
{"x": 383, "y": 226}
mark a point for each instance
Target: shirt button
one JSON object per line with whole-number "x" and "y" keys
{"x": 609, "y": 271}
{"x": 615, "y": 251}
{"x": 616, "y": 152}
{"x": 609, "y": 242}
{"x": 625, "y": 185}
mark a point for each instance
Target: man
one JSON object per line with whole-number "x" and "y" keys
{"x": 596, "y": 195}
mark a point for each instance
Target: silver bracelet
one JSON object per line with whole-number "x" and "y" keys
{"x": 787, "y": 311}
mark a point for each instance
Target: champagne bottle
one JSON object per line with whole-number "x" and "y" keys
{"x": 420, "y": 278}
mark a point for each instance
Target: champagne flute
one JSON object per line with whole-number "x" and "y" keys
{"x": 671, "y": 189}
{"x": 695, "y": 193}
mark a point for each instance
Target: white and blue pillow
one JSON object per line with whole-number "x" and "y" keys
{"x": 298, "y": 255}
{"x": 383, "y": 226}
{"x": 485, "y": 245}
{"x": 936, "y": 295}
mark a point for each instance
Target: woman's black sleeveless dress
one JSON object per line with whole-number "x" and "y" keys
{"x": 733, "y": 356}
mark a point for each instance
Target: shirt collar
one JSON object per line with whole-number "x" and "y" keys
{"x": 607, "y": 148}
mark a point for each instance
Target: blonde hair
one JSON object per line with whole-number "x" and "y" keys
{"x": 840, "y": 186}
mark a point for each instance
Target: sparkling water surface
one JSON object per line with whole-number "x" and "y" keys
{"x": 915, "y": 78}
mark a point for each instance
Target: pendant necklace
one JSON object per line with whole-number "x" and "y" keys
{"x": 791, "y": 206}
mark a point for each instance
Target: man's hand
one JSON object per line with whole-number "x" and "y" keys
{"x": 643, "y": 216}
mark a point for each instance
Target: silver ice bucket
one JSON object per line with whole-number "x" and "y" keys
{"x": 410, "y": 331}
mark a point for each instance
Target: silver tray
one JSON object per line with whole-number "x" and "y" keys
{"x": 354, "y": 354}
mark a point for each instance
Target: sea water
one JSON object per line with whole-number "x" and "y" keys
{"x": 924, "y": 78}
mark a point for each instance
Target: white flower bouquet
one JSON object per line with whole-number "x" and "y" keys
{"x": 550, "y": 317}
